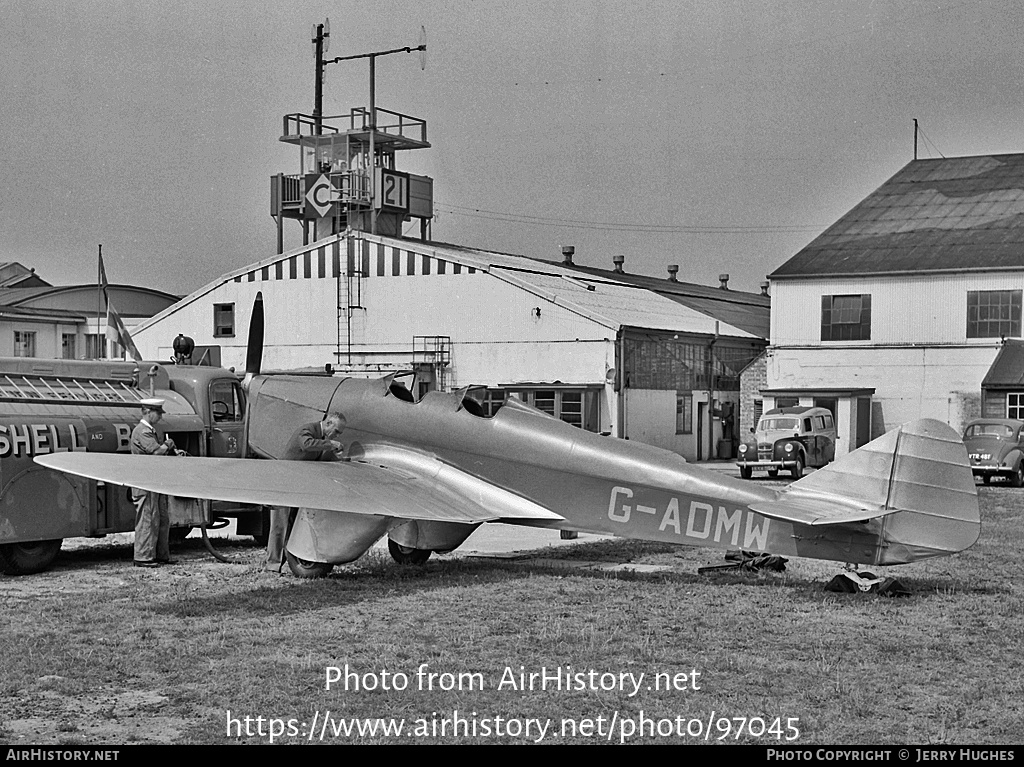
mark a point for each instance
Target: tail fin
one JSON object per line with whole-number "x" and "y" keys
{"x": 916, "y": 476}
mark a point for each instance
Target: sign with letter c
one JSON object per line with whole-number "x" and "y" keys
{"x": 320, "y": 195}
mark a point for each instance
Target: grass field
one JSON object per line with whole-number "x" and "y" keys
{"x": 98, "y": 652}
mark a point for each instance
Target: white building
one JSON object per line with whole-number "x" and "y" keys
{"x": 593, "y": 350}
{"x": 898, "y": 310}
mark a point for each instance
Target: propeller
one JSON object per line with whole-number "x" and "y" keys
{"x": 254, "y": 346}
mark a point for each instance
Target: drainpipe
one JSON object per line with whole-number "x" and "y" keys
{"x": 620, "y": 381}
{"x": 711, "y": 394}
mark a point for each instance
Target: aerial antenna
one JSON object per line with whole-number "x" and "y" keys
{"x": 371, "y": 125}
{"x": 421, "y": 46}
{"x": 320, "y": 36}
{"x": 918, "y": 132}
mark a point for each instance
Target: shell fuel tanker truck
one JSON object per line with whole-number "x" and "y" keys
{"x": 49, "y": 406}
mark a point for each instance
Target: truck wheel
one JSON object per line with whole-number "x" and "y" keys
{"x": 303, "y": 569}
{"x": 406, "y": 555}
{"x": 746, "y": 472}
{"x": 798, "y": 468}
{"x": 30, "y": 557}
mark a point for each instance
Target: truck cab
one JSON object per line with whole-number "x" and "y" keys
{"x": 790, "y": 438}
{"x": 216, "y": 395}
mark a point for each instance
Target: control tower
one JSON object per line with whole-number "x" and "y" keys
{"x": 347, "y": 177}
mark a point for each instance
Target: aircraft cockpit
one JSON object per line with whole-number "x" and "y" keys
{"x": 398, "y": 391}
{"x": 469, "y": 399}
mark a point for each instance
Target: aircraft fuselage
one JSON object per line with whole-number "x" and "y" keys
{"x": 598, "y": 484}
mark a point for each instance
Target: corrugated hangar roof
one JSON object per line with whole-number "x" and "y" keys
{"x": 749, "y": 311}
{"x": 58, "y": 315}
{"x": 949, "y": 214}
{"x": 22, "y": 296}
{"x": 603, "y": 298}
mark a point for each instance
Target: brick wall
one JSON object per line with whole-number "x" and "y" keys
{"x": 753, "y": 378}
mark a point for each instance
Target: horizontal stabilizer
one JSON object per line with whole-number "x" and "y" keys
{"x": 423, "y": 488}
{"x": 817, "y": 509}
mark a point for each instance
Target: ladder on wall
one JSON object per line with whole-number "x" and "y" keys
{"x": 350, "y": 300}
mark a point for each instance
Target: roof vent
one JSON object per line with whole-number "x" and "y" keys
{"x": 618, "y": 261}
{"x": 673, "y": 270}
{"x": 567, "y": 253}
{"x": 764, "y": 288}
{"x": 723, "y": 280}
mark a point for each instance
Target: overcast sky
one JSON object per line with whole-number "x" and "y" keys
{"x": 719, "y": 135}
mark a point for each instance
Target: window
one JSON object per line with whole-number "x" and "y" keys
{"x": 575, "y": 406}
{"x": 572, "y": 408}
{"x": 493, "y": 400}
{"x": 67, "y": 346}
{"x": 684, "y": 413}
{"x": 727, "y": 363}
{"x": 544, "y": 400}
{"x": 1015, "y": 405}
{"x": 24, "y": 343}
{"x": 846, "y": 318}
{"x": 226, "y": 401}
{"x": 95, "y": 346}
{"x": 223, "y": 320}
{"x": 997, "y": 430}
{"x": 993, "y": 313}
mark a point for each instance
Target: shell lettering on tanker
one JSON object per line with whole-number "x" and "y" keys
{"x": 23, "y": 440}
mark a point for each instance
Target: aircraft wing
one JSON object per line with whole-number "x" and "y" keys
{"x": 422, "y": 489}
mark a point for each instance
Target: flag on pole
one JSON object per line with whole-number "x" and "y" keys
{"x": 103, "y": 273}
{"x": 116, "y": 331}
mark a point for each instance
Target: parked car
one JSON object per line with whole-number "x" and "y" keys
{"x": 789, "y": 438}
{"x": 996, "y": 449}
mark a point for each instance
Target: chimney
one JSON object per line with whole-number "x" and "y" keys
{"x": 764, "y": 288}
{"x": 673, "y": 270}
{"x": 567, "y": 253}
{"x": 724, "y": 280}
{"x": 618, "y": 261}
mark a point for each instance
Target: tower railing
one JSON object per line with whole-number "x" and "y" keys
{"x": 358, "y": 119}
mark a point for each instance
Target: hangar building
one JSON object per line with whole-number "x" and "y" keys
{"x": 899, "y": 310}
{"x": 38, "y": 319}
{"x": 596, "y": 351}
